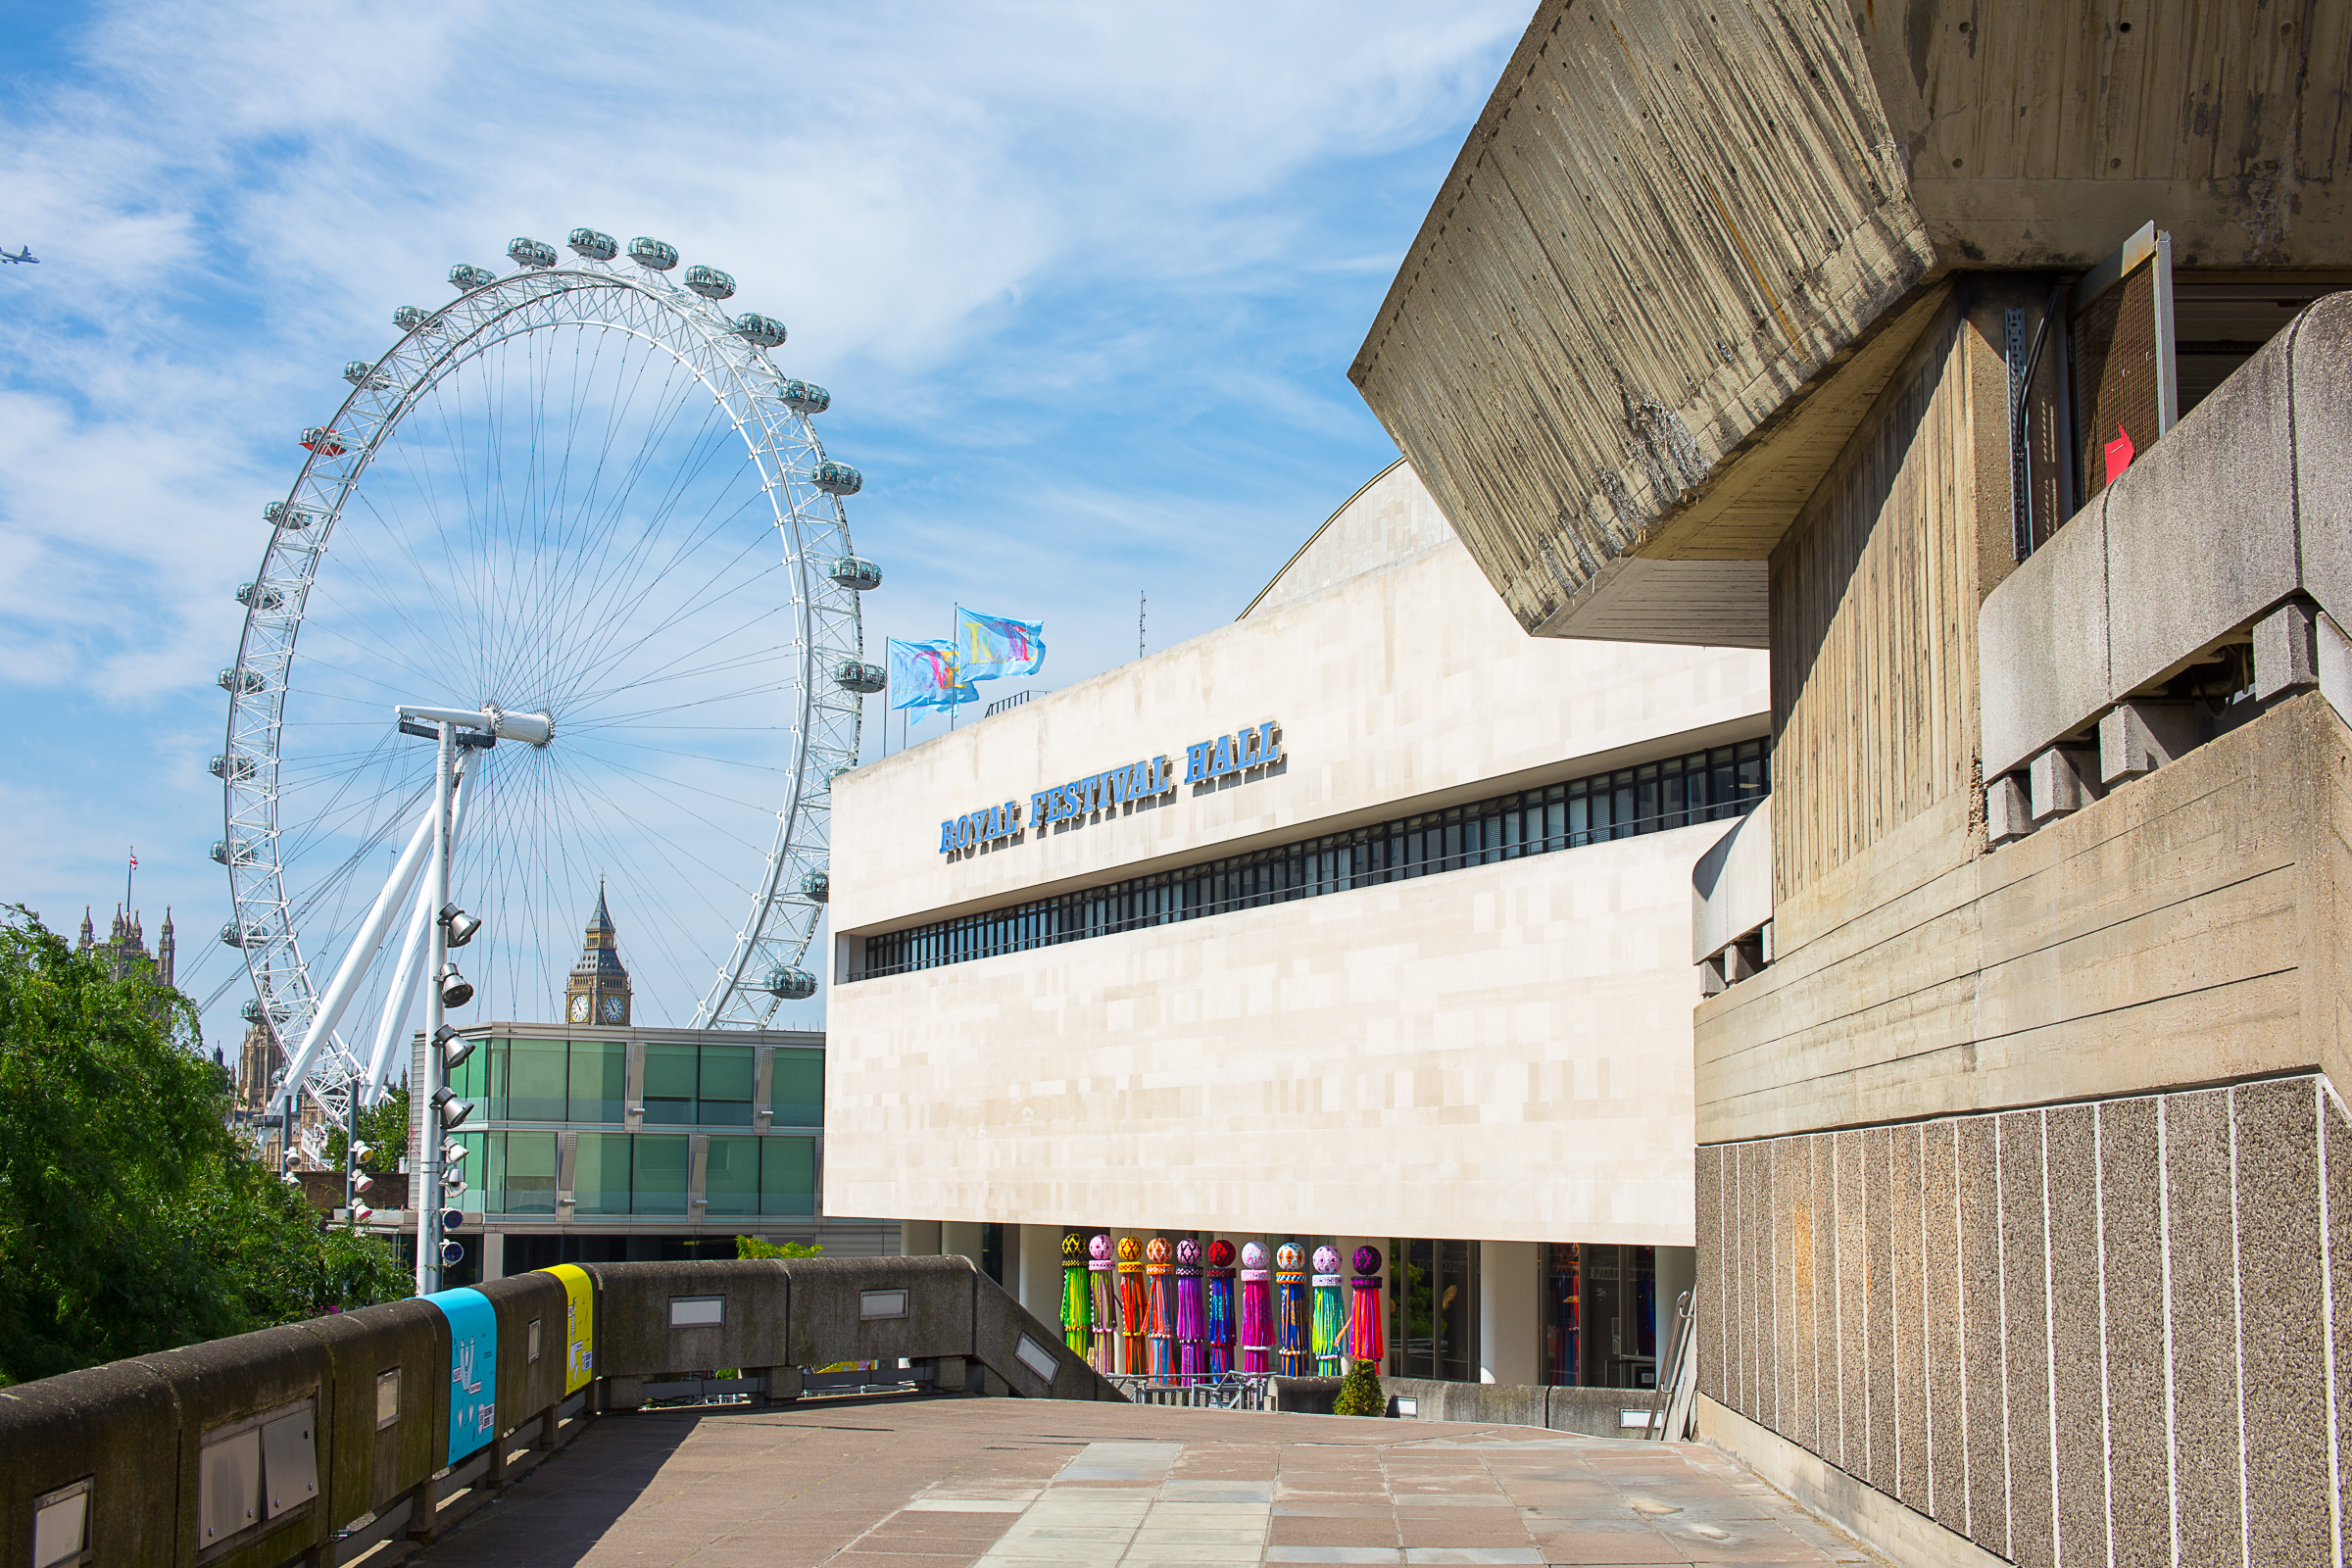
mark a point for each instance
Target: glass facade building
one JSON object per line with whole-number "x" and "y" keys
{"x": 589, "y": 1144}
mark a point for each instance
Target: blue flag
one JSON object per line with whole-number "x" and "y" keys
{"x": 990, "y": 646}
{"x": 924, "y": 676}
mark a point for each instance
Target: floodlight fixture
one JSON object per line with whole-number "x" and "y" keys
{"x": 452, "y": 1154}
{"x": 361, "y": 1182}
{"x": 361, "y": 1213}
{"x": 453, "y": 1111}
{"x": 455, "y": 991}
{"x": 453, "y": 1219}
{"x": 459, "y": 926}
{"x": 454, "y": 1049}
{"x": 451, "y": 1253}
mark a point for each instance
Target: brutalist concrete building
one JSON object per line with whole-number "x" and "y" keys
{"x": 1985, "y": 366}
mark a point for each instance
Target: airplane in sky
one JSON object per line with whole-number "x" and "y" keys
{"x": 24, "y": 255}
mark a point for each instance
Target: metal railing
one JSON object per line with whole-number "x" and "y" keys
{"x": 1226, "y": 1391}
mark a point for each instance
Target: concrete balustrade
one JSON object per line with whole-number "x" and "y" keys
{"x": 320, "y": 1440}
{"x": 2234, "y": 532}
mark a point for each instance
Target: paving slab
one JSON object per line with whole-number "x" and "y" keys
{"x": 946, "y": 1482}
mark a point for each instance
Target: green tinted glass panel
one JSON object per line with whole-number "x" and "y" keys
{"x": 661, "y": 1175}
{"x": 668, "y": 1082}
{"x": 535, "y": 1086}
{"x": 731, "y": 1177}
{"x": 788, "y": 1176}
{"x": 601, "y": 1180}
{"x": 726, "y": 1097}
{"x": 470, "y": 1078}
{"x": 797, "y": 1087}
{"x": 600, "y": 1080}
{"x": 530, "y": 1173}
{"x": 495, "y": 1069}
{"x": 494, "y": 1174}
{"x": 473, "y": 1168}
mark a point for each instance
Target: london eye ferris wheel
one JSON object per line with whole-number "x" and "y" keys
{"x": 581, "y": 506}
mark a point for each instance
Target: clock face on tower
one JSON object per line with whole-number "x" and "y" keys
{"x": 614, "y": 1008}
{"x": 579, "y": 1010}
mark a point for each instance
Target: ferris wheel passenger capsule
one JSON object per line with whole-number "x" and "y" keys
{"x": 326, "y": 443}
{"x": 230, "y": 769}
{"x": 247, "y": 681}
{"x": 466, "y": 277}
{"x": 411, "y": 317}
{"x": 285, "y": 514}
{"x": 856, "y": 571}
{"x": 251, "y": 934}
{"x": 232, "y": 851}
{"x": 710, "y": 282}
{"x": 764, "y": 331}
{"x": 362, "y": 375}
{"x": 596, "y": 247}
{"x": 524, "y": 251}
{"x": 806, "y": 396}
{"x": 856, "y": 676}
{"x": 838, "y": 479}
{"x": 656, "y": 254}
{"x": 254, "y": 596}
{"x": 818, "y": 886}
{"x": 791, "y": 984}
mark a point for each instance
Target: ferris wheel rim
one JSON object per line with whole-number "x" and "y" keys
{"x": 809, "y": 521}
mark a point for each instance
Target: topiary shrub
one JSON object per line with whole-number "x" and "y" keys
{"x": 1361, "y": 1393}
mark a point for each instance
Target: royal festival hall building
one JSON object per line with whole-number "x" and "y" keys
{"x": 1367, "y": 917}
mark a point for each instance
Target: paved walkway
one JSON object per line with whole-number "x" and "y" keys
{"x": 1040, "y": 1484}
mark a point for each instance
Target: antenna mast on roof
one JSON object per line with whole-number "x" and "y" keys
{"x": 1139, "y": 626}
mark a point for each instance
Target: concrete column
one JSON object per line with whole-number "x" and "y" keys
{"x": 959, "y": 1236}
{"x": 1509, "y": 1276}
{"x": 493, "y": 1254}
{"x": 1040, "y": 1253}
{"x": 1678, "y": 1271}
{"x": 918, "y": 1238}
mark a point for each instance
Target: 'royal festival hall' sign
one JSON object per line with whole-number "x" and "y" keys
{"x": 1245, "y": 750}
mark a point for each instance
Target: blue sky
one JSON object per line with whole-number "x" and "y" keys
{"x": 1083, "y": 281}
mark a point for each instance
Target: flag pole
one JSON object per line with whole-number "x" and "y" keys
{"x": 952, "y": 673}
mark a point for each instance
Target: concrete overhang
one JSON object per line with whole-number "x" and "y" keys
{"x": 1686, "y": 244}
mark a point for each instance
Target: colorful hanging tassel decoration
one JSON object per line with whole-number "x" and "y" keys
{"x": 1104, "y": 1306}
{"x": 1331, "y": 1317}
{"x": 1190, "y": 1332}
{"x": 1364, "y": 1340}
{"x": 1294, "y": 1351}
{"x": 1220, "y": 1308}
{"x": 1159, "y": 1289}
{"x": 1258, "y": 1312}
{"x": 1077, "y": 1308}
{"x": 1131, "y": 1305}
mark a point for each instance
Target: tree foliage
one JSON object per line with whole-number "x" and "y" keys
{"x": 760, "y": 1246}
{"x": 131, "y": 1219}
{"x": 1361, "y": 1393}
{"x": 383, "y": 1131}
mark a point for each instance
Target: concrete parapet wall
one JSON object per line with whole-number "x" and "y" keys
{"x": 2083, "y": 1332}
{"x": 1594, "y": 1412}
{"x": 372, "y": 1389}
{"x": 2243, "y": 505}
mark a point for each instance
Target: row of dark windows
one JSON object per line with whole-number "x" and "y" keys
{"x": 1702, "y": 787}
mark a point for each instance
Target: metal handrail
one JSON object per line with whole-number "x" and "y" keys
{"x": 1671, "y": 1370}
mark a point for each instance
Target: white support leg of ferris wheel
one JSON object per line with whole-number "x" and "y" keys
{"x": 402, "y": 999}
{"x": 359, "y": 955}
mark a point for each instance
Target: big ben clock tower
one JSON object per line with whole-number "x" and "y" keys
{"x": 599, "y": 989}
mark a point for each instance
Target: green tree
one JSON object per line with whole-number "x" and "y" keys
{"x": 758, "y": 1247}
{"x": 1361, "y": 1393}
{"x": 130, "y": 1218}
{"x": 383, "y": 1129}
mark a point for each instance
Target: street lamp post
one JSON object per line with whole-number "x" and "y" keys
{"x": 426, "y": 1189}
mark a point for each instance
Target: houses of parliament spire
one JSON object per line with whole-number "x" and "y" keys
{"x": 598, "y": 991}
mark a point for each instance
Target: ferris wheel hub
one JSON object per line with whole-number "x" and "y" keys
{"x": 532, "y": 729}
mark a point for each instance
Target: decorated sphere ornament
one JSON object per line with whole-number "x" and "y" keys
{"x": 1098, "y": 1248}
{"x": 1367, "y": 1259}
{"x": 1326, "y": 1260}
{"x": 1254, "y": 1256}
{"x": 1131, "y": 1251}
{"x": 1157, "y": 1250}
{"x": 1287, "y": 1255}
{"x": 1220, "y": 1253}
{"x": 1188, "y": 1253}
{"x": 1072, "y": 1247}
